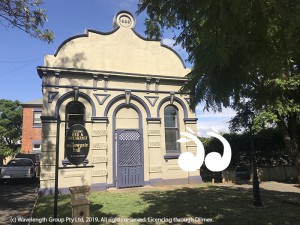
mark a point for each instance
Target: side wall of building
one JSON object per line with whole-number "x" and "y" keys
{"x": 30, "y": 133}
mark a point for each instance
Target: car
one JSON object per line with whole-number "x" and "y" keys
{"x": 18, "y": 168}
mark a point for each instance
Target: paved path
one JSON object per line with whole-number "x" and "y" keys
{"x": 284, "y": 191}
{"x": 16, "y": 200}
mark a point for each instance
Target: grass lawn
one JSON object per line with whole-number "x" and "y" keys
{"x": 224, "y": 205}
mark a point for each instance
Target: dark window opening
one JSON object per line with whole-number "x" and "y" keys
{"x": 171, "y": 130}
{"x": 75, "y": 114}
{"x": 37, "y": 122}
{"x": 36, "y": 146}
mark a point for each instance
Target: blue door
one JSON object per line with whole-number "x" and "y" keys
{"x": 130, "y": 160}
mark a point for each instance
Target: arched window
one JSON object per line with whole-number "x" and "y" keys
{"x": 171, "y": 129}
{"x": 75, "y": 113}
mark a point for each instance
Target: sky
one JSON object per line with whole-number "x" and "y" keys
{"x": 20, "y": 54}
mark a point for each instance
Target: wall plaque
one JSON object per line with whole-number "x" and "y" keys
{"x": 97, "y": 146}
{"x": 98, "y": 133}
{"x": 99, "y": 173}
{"x": 99, "y": 159}
{"x": 47, "y": 176}
{"x": 155, "y": 169}
{"x": 153, "y": 132}
{"x": 77, "y": 144}
{"x": 154, "y": 144}
{"x": 191, "y": 144}
{"x": 48, "y": 159}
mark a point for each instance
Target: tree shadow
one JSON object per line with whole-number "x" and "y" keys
{"x": 45, "y": 209}
{"x": 16, "y": 194}
{"x": 224, "y": 205}
{"x": 285, "y": 196}
{"x": 75, "y": 61}
{"x": 97, "y": 214}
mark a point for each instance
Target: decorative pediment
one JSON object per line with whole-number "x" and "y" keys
{"x": 122, "y": 50}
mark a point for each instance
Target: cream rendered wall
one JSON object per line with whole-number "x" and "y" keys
{"x": 121, "y": 51}
{"x": 127, "y": 118}
{"x": 108, "y": 64}
{"x": 155, "y": 165}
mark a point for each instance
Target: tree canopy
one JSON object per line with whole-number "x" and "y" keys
{"x": 245, "y": 55}
{"x": 232, "y": 44}
{"x": 10, "y": 127}
{"x": 27, "y": 16}
{"x": 268, "y": 144}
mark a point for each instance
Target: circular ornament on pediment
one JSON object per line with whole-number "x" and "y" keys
{"x": 124, "y": 19}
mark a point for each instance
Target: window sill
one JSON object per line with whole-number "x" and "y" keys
{"x": 171, "y": 156}
{"x": 36, "y": 126}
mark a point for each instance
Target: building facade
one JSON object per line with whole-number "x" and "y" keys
{"x": 123, "y": 89}
{"x": 32, "y": 126}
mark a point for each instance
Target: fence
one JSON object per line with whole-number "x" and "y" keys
{"x": 278, "y": 173}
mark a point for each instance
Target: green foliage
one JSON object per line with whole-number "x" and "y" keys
{"x": 245, "y": 55}
{"x": 10, "y": 126}
{"x": 268, "y": 144}
{"x": 27, "y": 16}
{"x": 238, "y": 48}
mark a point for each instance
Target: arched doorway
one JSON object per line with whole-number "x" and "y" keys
{"x": 129, "y": 158}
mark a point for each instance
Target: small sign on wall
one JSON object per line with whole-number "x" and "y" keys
{"x": 77, "y": 144}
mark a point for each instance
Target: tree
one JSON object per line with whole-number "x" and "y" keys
{"x": 10, "y": 127}
{"x": 268, "y": 144}
{"x": 27, "y": 16}
{"x": 246, "y": 54}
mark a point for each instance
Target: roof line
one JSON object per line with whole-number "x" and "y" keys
{"x": 83, "y": 35}
{"x": 161, "y": 44}
{"x": 42, "y": 69}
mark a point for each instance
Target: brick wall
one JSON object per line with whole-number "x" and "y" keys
{"x": 29, "y": 132}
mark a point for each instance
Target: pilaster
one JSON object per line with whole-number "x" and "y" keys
{"x": 194, "y": 177}
{"x": 154, "y": 148}
{"x": 48, "y": 152}
{"x": 99, "y": 153}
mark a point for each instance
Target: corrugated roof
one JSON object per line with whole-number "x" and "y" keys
{"x": 38, "y": 101}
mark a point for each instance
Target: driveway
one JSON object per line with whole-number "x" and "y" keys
{"x": 285, "y": 191}
{"x": 16, "y": 200}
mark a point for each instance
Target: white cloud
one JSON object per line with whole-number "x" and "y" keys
{"x": 169, "y": 42}
{"x": 208, "y": 121}
{"x": 220, "y": 125}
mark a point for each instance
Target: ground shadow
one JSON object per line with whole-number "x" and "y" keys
{"x": 97, "y": 214}
{"x": 45, "y": 209}
{"x": 17, "y": 191}
{"x": 224, "y": 205}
